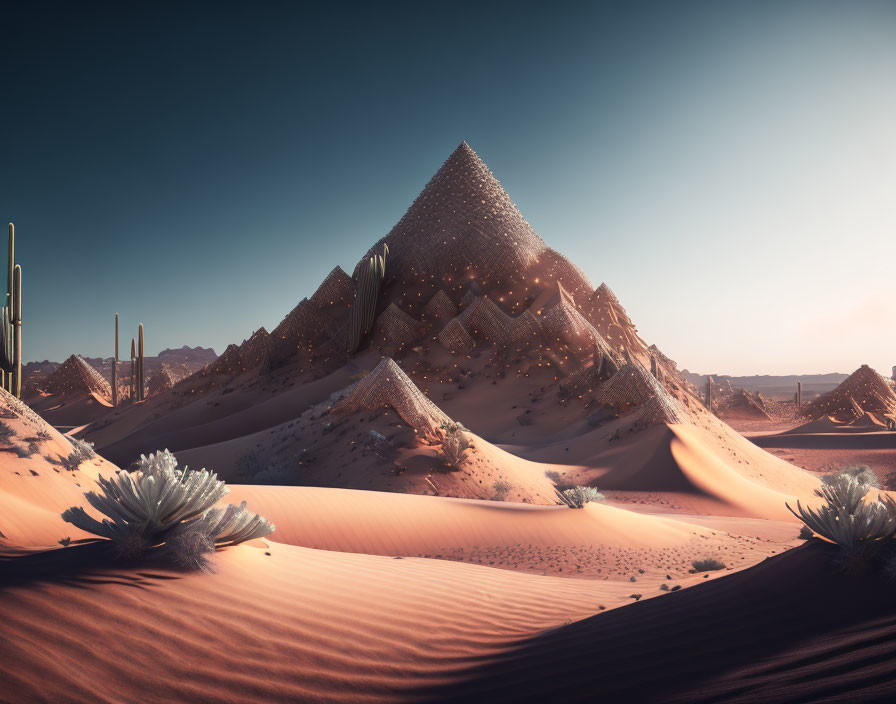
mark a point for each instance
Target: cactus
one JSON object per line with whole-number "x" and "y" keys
{"x": 141, "y": 385}
{"x": 370, "y": 280}
{"x": 11, "y": 325}
{"x": 799, "y": 396}
{"x": 133, "y": 387}
{"x": 115, "y": 367}
{"x": 709, "y": 393}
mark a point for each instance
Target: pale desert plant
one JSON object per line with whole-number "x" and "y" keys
{"x": 455, "y": 443}
{"x": 578, "y": 496}
{"x": 708, "y": 564}
{"x": 846, "y": 518}
{"x": 860, "y": 472}
{"x": 160, "y": 502}
{"x": 501, "y": 489}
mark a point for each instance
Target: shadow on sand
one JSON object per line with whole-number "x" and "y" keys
{"x": 791, "y": 629}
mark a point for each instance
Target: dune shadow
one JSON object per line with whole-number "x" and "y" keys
{"x": 769, "y": 633}
{"x": 82, "y": 566}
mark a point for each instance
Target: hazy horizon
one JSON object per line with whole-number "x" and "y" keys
{"x": 726, "y": 170}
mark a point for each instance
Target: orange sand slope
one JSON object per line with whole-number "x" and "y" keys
{"x": 597, "y": 541}
{"x": 283, "y": 623}
{"x": 706, "y": 460}
{"x": 41, "y": 475}
{"x": 767, "y": 634}
{"x": 280, "y": 623}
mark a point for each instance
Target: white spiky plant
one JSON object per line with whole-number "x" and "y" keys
{"x": 578, "y": 496}
{"x": 160, "y": 501}
{"x": 847, "y": 518}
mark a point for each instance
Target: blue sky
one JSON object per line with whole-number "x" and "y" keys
{"x": 727, "y": 168}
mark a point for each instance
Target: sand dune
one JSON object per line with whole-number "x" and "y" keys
{"x": 768, "y": 634}
{"x": 598, "y": 541}
{"x": 41, "y": 474}
{"x": 275, "y": 623}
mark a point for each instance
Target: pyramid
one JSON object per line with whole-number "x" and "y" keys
{"x": 75, "y": 376}
{"x": 863, "y": 391}
{"x": 563, "y": 323}
{"x": 388, "y": 386}
{"x": 660, "y": 409}
{"x": 608, "y": 316}
{"x": 162, "y": 380}
{"x": 439, "y": 308}
{"x": 629, "y": 388}
{"x": 254, "y": 353}
{"x": 313, "y": 317}
{"x": 455, "y": 338}
{"x": 744, "y": 404}
{"x": 395, "y": 328}
{"x": 462, "y": 221}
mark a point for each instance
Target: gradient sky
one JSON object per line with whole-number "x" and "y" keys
{"x": 729, "y": 169}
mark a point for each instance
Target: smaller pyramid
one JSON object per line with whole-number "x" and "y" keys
{"x": 629, "y": 388}
{"x": 439, "y": 308}
{"x": 388, "y": 386}
{"x": 863, "y": 391}
{"x": 455, "y": 338}
{"x": 161, "y": 381}
{"x": 313, "y": 318}
{"x": 563, "y": 323}
{"x": 395, "y": 328}
{"x": 253, "y": 353}
{"x": 610, "y": 319}
{"x": 75, "y": 376}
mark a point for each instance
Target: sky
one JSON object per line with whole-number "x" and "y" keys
{"x": 728, "y": 168}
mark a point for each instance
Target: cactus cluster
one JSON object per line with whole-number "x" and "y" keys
{"x": 115, "y": 367}
{"x": 11, "y": 325}
{"x": 137, "y": 385}
{"x": 370, "y": 280}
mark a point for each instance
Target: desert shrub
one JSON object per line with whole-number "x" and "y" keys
{"x": 160, "y": 502}
{"x": 578, "y": 496}
{"x": 708, "y": 564}
{"x": 501, "y": 489}
{"x": 455, "y": 443}
{"x": 553, "y": 476}
{"x": 860, "y": 472}
{"x": 846, "y": 518}
{"x": 82, "y": 448}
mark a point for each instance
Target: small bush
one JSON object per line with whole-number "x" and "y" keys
{"x": 862, "y": 473}
{"x": 160, "y": 503}
{"x": 846, "y": 518}
{"x": 553, "y": 476}
{"x": 708, "y": 564}
{"x": 455, "y": 443}
{"x": 501, "y": 489}
{"x": 578, "y": 496}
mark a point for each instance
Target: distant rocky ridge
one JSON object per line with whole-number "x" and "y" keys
{"x": 783, "y": 386}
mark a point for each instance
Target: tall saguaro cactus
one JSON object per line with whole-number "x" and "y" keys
{"x": 370, "y": 280}
{"x": 132, "y": 392}
{"x": 115, "y": 367}
{"x": 709, "y": 393}
{"x": 799, "y": 396}
{"x": 11, "y": 325}
{"x": 141, "y": 385}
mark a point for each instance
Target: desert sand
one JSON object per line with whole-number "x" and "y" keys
{"x": 398, "y": 574}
